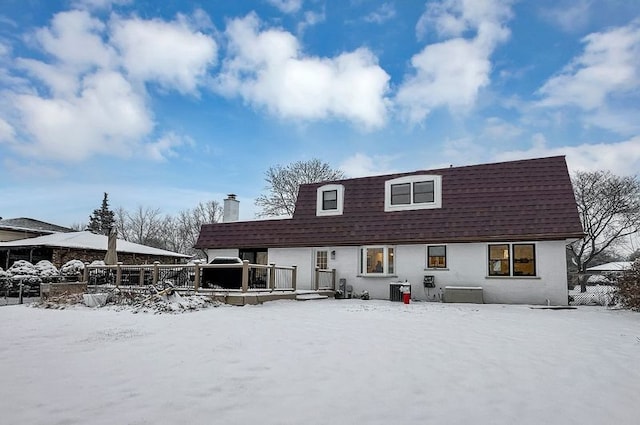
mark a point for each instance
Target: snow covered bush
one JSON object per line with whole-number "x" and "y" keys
{"x": 629, "y": 287}
{"x": 22, "y": 268}
{"x": 46, "y": 269}
{"x": 4, "y": 279}
{"x": 72, "y": 268}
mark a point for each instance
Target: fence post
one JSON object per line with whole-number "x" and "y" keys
{"x": 141, "y": 278}
{"x": 333, "y": 279}
{"x": 155, "y": 272}
{"x": 316, "y": 283}
{"x": 272, "y": 276}
{"x": 196, "y": 278}
{"x": 245, "y": 275}
{"x": 85, "y": 273}
{"x": 294, "y": 277}
{"x": 118, "y": 273}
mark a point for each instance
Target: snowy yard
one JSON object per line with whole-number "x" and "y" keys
{"x": 321, "y": 362}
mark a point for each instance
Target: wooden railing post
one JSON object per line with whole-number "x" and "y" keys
{"x": 156, "y": 272}
{"x": 85, "y": 273}
{"x": 143, "y": 271}
{"x": 196, "y": 278}
{"x": 294, "y": 277}
{"x": 316, "y": 284}
{"x": 333, "y": 279}
{"x": 272, "y": 276}
{"x": 118, "y": 273}
{"x": 245, "y": 275}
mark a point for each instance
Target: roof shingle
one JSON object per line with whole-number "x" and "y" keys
{"x": 509, "y": 201}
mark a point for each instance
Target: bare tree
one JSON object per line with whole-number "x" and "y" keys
{"x": 144, "y": 226}
{"x": 187, "y": 223}
{"x": 609, "y": 208}
{"x": 148, "y": 226}
{"x": 283, "y": 183}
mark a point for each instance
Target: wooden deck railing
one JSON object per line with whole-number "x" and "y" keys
{"x": 253, "y": 277}
{"x": 325, "y": 279}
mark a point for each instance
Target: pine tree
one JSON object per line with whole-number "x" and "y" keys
{"x": 102, "y": 218}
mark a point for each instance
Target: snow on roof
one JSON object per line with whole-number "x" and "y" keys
{"x": 88, "y": 240}
{"x": 615, "y": 266}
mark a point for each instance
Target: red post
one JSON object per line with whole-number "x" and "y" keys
{"x": 406, "y": 297}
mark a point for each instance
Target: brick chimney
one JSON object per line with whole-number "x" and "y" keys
{"x": 231, "y": 210}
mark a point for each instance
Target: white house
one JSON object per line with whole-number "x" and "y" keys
{"x": 502, "y": 227}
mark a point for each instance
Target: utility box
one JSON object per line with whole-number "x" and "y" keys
{"x": 396, "y": 292}
{"x": 463, "y": 294}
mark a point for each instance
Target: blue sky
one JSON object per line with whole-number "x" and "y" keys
{"x": 167, "y": 104}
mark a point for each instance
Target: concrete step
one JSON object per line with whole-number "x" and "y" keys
{"x": 308, "y": 297}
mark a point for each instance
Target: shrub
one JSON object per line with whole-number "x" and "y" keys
{"x": 629, "y": 287}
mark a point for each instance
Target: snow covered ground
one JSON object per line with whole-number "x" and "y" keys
{"x": 321, "y": 362}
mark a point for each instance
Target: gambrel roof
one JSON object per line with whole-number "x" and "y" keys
{"x": 507, "y": 201}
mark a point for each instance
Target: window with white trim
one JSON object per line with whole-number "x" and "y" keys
{"x": 436, "y": 256}
{"x": 517, "y": 259}
{"x": 413, "y": 193}
{"x": 377, "y": 260}
{"x": 329, "y": 199}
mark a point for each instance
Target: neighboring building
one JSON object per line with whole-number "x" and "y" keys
{"x": 606, "y": 274}
{"x": 85, "y": 246}
{"x": 502, "y": 227}
{"x": 21, "y": 228}
{"x": 613, "y": 267}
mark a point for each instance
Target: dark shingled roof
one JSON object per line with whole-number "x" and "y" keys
{"x": 508, "y": 201}
{"x": 30, "y": 224}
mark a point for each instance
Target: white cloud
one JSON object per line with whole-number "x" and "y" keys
{"x": 106, "y": 117}
{"x": 267, "y": 69}
{"x": 7, "y": 132}
{"x": 164, "y": 148}
{"x": 286, "y": 6}
{"x": 452, "y": 72}
{"x": 497, "y": 129}
{"x": 75, "y": 39}
{"x": 90, "y": 96}
{"x": 170, "y": 53}
{"x": 361, "y": 165}
{"x": 569, "y": 16}
{"x": 385, "y": 12}
{"x": 622, "y": 158}
{"x": 310, "y": 19}
{"x": 609, "y": 66}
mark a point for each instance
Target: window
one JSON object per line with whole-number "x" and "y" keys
{"x": 437, "y": 257}
{"x": 322, "y": 260}
{"x": 521, "y": 258}
{"x": 422, "y": 192}
{"x": 330, "y": 200}
{"x": 499, "y": 260}
{"x": 400, "y": 194}
{"x": 377, "y": 260}
{"x": 413, "y": 193}
{"x": 524, "y": 260}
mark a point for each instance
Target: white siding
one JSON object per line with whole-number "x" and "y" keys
{"x": 301, "y": 257}
{"x": 467, "y": 265}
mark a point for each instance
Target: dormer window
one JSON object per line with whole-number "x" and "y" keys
{"x": 329, "y": 199}
{"x": 413, "y": 193}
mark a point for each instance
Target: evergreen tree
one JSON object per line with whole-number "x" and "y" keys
{"x": 102, "y": 218}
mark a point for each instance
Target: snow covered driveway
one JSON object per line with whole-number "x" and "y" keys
{"x": 321, "y": 362}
